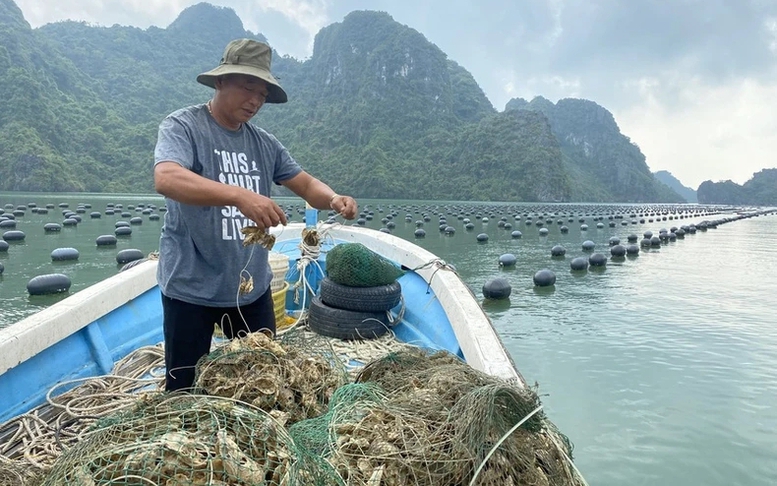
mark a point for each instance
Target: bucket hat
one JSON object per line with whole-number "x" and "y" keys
{"x": 250, "y": 57}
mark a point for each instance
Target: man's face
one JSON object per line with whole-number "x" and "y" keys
{"x": 241, "y": 96}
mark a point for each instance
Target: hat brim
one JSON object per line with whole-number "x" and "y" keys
{"x": 275, "y": 94}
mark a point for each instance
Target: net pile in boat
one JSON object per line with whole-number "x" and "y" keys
{"x": 413, "y": 418}
{"x": 296, "y": 380}
{"x": 188, "y": 440}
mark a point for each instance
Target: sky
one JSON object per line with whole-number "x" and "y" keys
{"x": 692, "y": 82}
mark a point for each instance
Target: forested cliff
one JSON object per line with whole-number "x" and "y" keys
{"x": 377, "y": 110}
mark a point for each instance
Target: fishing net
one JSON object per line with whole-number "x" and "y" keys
{"x": 296, "y": 380}
{"x": 355, "y": 265}
{"x": 189, "y": 440}
{"x": 414, "y": 418}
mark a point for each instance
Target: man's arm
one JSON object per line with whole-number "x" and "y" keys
{"x": 321, "y": 196}
{"x": 178, "y": 183}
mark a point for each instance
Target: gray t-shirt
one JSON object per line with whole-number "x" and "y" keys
{"x": 201, "y": 253}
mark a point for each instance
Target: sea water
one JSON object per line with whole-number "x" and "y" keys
{"x": 661, "y": 369}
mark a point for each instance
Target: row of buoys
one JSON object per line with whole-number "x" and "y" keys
{"x": 499, "y": 287}
{"x": 55, "y": 283}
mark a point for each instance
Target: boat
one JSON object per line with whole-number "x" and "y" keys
{"x": 88, "y": 333}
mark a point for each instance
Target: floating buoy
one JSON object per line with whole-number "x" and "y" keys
{"x": 8, "y": 223}
{"x": 497, "y": 288}
{"x": 544, "y": 278}
{"x": 106, "y": 240}
{"x": 618, "y": 251}
{"x": 632, "y": 250}
{"x": 644, "y": 243}
{"x": 615, "y": 241}
{"x": 516, "y": 234}
{"x": 129, "y": 255}
{"x": 385, "y": 230}
{"x": 4, "y": 246}
{"x": 14, "y": 235}
{"x": 52, "y": 227}
{"x": 70, "y": 222}
{"x": 450, "y": 230}
{"x": 579, "y": 263}
{"x": 588, "y": 245}
{"x": 564, "y": 229}
{"x": 153, "y": 217}
{"x": 136, "y": 220}
{"x": 64, "y": 254}
{"x": 597, "y": 260}
{"x": 632, "y": 238}
{"x": 543, "y": 231}
{"x": 655, "y": 241}
{"x": 558, "y": 251}
{"x": 119, "y": 224}
{"x": 53, "y": 283}
{"x": 123, "y": 231}
{"x": 2, "y": 268}
{"x": 507, "y": 260}
{"x": 482, "y": 237}
{"x": 419, "y": 233}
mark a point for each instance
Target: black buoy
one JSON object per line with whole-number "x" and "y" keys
{"x": 497, "y": 288}
{"x": 53, "y": 283}
{"x": 64, "y": 254}
{"x": 633, "y": 238}
{"x": 482, "y": 237}
{"x": 14, "y": 235}
{"x": 2, "y": 268}
{"x": 597, "y": 260}
{"x": 128, "y": 255}
{"x": 123, "y": 231}
{"x": 544, "y": 278}
{"x": 655, "y": 241}
{"x": 618, "y": 251}
{"x": 106, "y": 240}
{"x": 4, "y": 246}
{"x": 52, "y": 227}
{"x": 419, "y": 233}
{"x": 588, "y": 245}
{"x": 543, "y": 231}
{"x": 507, "y": 260}
{"x": 579, "y": 263}
{"x": 615, "y": 241}
{"x": 558, "y": 251}
{"x": 516, "y": 234}
{"x": 632, "y": 250}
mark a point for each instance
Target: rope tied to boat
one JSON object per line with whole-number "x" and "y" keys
{"x": 438, "y": 264}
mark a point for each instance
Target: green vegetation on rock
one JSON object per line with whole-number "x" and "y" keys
{"x": 377, "y": 110}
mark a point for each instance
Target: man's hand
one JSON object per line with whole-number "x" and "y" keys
{"x": 345, "y": 205}
{"x": 261, "y": 210}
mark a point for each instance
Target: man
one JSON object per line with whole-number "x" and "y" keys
{"x": 215, "y": 170}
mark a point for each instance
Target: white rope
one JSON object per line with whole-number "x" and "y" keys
{"x": 499, "y": 442}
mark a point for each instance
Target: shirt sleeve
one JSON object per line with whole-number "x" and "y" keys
{"x": 174, "y": 143}
{"x": 285, "y": 165}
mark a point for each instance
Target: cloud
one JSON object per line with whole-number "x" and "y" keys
{"x": 718, "y": 132}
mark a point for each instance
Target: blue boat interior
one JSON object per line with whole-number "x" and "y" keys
{"x": 93, "y": 350}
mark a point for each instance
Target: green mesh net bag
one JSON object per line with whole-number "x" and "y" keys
{"x": 189, "y": 440}
{"x": 355, "y": 265}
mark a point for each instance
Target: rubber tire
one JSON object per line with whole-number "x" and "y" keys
{"x": 345, "y": 324}
{"x": 361, "y": 299}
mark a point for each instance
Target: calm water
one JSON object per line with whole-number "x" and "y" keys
{"x": 662, "y": 369}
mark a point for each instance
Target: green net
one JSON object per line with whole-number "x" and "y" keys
{"x": 188, "y": 440}
{"x": 415, "y": 418}
{"x": 355, "y": 265}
